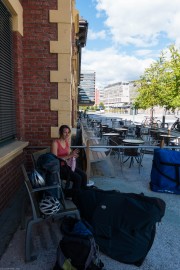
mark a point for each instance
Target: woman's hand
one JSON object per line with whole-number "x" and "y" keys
{"x": 75, "y": 153}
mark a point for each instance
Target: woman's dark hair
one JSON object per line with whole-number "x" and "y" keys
{"x": 61, "y": 129}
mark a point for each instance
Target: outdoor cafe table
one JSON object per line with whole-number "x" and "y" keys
{"x": 155, "y": 133}
{"x": 109, "y": 134}
{"x": 121, "y": 130}
{"x": 102, "y": 126}
{"x": 133, "y": 141}
{"x": 166, "y": 136}
{"x": 158, "y": 130}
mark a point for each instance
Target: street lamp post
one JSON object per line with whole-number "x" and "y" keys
{"x": 152, "y": 112}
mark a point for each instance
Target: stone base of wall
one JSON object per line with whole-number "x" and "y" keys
{"x": 11, "y": 179}
{"x": 10, "y": 218}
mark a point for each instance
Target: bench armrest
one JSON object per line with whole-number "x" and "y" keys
{"x": 46, "y": 188}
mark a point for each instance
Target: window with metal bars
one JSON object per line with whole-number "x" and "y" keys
{"x": 7, "y": 95}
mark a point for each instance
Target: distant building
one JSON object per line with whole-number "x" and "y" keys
{"x": 133, "y": 91}
{"x": 97, "y": 97}
{"x": 86, "y": 89}
{"x": 116, "y": 95}
{"x": 101, "y": 94}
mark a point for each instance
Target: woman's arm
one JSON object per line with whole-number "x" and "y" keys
{"x": 54, "y": 148}
{"x": 71, "y": 153}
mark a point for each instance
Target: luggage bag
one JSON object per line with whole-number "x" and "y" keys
{"x": 124, "y": 223}
{"x": 165, "y": 172}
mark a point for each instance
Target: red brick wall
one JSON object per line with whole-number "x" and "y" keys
{"x": 37, "y": 63}
{"x": 10, "y": 175}
{"x": 11, "y": 180}
{"x": 33, "y": 90}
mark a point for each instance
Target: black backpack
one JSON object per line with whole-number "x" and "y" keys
{"x": 77, "y": 248}
{"x": 124, "y": 224}
{"x": 48, "y": 166}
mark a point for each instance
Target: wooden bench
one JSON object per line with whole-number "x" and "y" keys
{"x": 93, "y": 156}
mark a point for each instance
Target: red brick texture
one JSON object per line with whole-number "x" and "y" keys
{"x": 33, "y": 90}
{"x": 37, "y": 63}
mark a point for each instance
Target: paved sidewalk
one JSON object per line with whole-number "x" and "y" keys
{"x": 164, "y": 254}
{"x": 170, "y": 118}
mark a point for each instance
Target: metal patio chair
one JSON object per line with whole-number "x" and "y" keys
{"x": 132, "y": 154}
{"x": 68, "y": 209}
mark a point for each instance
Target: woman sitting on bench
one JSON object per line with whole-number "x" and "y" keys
{"x": 61, "y": 148}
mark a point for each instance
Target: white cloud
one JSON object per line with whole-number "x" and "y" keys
{"x": 140, "y": 22}
{"x": 146, "y": 53}
{"x": 139, "y": 30}
{"x": 96, "y": 35}
{"x": 173, "y": 27}
{"x": 111, "y": 67}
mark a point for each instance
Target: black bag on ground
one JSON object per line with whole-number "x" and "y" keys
{"x": 124, "y": 223}
{"x": 77, "y": 249}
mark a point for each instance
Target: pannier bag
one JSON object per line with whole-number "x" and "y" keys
{"x": 77, "y": 250}
{"x": 165, "y": 172}
{"x": 124, "y": 224}
{"x": 48, "y": 165}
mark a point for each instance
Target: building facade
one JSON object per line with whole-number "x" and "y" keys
{"x": 46, "y": 58}
{"x": 87, "y": 88}
{"x": 116, "y": 95}
{"x": 97, "y": 97}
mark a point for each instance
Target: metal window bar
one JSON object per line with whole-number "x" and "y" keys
{"x": 7, "y": 95}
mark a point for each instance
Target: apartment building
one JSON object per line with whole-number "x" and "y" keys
{"x": 116, "y": 95}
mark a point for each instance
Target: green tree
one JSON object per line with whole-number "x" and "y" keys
{"x": 160, "y": 83}
{"x": 101, "y": 104}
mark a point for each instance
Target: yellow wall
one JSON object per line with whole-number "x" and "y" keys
{"x": 66, "y": 78}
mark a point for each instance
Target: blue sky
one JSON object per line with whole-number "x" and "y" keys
{"x": 126, "y": 36}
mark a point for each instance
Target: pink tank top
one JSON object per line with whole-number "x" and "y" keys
{"x": 61, "y": 152}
